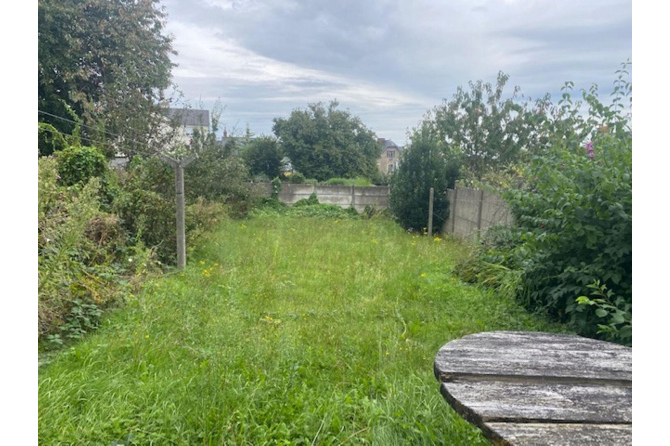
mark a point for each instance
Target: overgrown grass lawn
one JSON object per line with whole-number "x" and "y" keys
{"x": 281, "y": 331}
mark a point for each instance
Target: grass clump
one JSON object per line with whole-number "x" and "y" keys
{"x": 282, "y": 330}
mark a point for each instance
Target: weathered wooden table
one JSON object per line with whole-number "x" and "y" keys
{"x": 523, "y": 388}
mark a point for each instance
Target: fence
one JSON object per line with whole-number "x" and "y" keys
{"x": 473, "y": 211}
{"x": 357, "y": 197}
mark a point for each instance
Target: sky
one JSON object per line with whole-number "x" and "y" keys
{"x": 386, "y": 61}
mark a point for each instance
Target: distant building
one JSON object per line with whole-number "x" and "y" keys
{"x": 188, "y": 120}
{"x": 389, "y": 160}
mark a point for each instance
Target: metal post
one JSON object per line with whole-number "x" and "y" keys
{"x": 430, "y": 213}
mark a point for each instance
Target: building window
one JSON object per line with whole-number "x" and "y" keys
{"x": 390, "y": 154}
{"x": 391, "y": 168}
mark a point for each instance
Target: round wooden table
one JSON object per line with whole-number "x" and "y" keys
{"x": 524, "y": 388}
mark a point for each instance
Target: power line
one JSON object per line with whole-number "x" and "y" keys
{"x": 93, "y": 128}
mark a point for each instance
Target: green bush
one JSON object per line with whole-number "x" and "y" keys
{"x": 296, "y": 178}
{"x": 82, "y": 256}
{"x": 150, "y": 218}
{"x": 360, "y": 181}
{"x": 577, "y": 223}
{"x": 311, "y": 201}
{"x": 78, "y": 164}
{"x": 424, "y": 165}
{"x": 573, "y": 222}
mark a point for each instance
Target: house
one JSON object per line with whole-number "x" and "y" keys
{"x": 188, "y": 120}
{"x": 389, "y": 160}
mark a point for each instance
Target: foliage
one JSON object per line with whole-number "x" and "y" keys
{"x": 109, "y": 61}
{"x": 361, "y": 182}
{"x": 263, "y": 156}
{"x": 296, "y": 178}
{"x": 312, "y": 200}
{"x": 618, "y": 313}
{"x": 149, "y": 217}
{"x": 78, "y": 164}
{"x": 231, "y": 343}
{"x": 82, "y": 256}
{"x": 202, "y": 217}
{"x": 573, "y": 214}
{"x": 324, "y": 142}
{"x": 276, "y": 187}
{"x": 424, "y": 165}
{"x": 486, "y": 131}
{"x": 50, "y": 140}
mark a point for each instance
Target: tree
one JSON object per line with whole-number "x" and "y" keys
{"x": 486, "y": 131}
{"x": 424, "y": 165}
{"x": 263, "y": 156}
{"x": 108, "y": 62}
{"x": 325, "y": 143}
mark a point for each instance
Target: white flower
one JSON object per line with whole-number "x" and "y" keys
{"x": 130, "y": 260}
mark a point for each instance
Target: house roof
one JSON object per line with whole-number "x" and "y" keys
{"x": 388, "y": 144}
{"x": 189, "y": 116}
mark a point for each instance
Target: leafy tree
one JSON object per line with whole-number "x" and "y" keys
{"x": 108, "y": 61}
{"x": 424, "y": 165}
{"x": 323, "y": 142}
{"x": 263, "y": 156}
{"x": 486, "y": 131}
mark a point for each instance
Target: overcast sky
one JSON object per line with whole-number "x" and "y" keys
{"x": 387, "y": 61}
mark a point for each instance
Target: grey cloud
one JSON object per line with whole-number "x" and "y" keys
{"x": 390, "y": 61}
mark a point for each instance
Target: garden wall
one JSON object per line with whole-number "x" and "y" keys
{"x": 344, "y": 196}
{"x": 473, "y": 211}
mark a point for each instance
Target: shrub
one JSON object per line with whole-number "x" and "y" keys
{"x": 150, "y": 218}
{"x": 203, "y": 216}
{"x": 577, "y": 223}
{"x": 573, "y": 217}
{"x": 296, "y": 178}
{"x": 424, "y": 166}
{"x": 311, "y": 201}
{"x": 78, "y": 164}
{"x": 360, "y": 181}
{"x": 81, "y": 268}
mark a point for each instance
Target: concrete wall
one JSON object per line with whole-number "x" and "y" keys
{"x": 344, "y": 196}
{"x": 472, "y": 211}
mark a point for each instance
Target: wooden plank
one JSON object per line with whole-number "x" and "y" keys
{"x": 529, "y": 434}
{"x": 540, "y": 355}
{"x": 555, "y": 403}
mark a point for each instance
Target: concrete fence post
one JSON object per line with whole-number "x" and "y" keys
{"x": 430, "y": 212}
{"x": 453, "y": 209}
{"x": 479, "y": 216}
{"x": 178, "y": 166}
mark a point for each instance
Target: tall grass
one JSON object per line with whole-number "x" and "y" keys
{"x": 282, "y": 330}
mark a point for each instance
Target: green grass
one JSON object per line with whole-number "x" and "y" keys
{"x": 282, "y": 330}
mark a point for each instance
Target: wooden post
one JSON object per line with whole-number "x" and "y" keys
{"x": 430, "y": 213}
{"x": 178, "y": 166}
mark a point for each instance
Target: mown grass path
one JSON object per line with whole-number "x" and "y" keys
{"x": 281, "y": 331}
